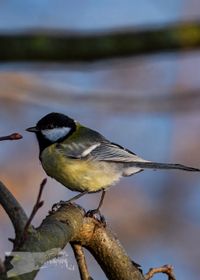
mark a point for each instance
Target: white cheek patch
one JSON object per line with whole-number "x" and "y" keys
{"x": 55, "y": 133}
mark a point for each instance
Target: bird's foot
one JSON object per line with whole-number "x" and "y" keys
{"x": 95, "y": 213}
{"x": 61, "y": 203}
{"x": 57, "y": 205}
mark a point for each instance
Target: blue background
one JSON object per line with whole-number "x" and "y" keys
{"x": 154, "y": 214}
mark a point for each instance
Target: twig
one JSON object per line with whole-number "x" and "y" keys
{"x": 13, "y": 136}
{"x": 14, "y": 210}
{"x": 36, "y": 207}
{"x": 167, "y": 269}
{"x": 81, "y": 261}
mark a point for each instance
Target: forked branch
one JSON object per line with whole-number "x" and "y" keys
{"x": 166, "y": 269}
{"x": 68, "y": 224}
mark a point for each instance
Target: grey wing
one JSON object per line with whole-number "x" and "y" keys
{"x": 100, "y": 151}
{"x": 77, "y": 150}
{"x": 112, "y": 152}
{"x": 123, "y": 158}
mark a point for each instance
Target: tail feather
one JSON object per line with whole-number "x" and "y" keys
{"x": 157, "y": 165}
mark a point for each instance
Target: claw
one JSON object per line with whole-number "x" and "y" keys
{"x": 93, "y": 214}
{"x": 57, "y": 205}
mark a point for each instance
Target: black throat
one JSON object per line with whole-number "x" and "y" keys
{"x": 43, "y": 142}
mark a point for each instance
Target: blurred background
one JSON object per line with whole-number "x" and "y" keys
{"x": 149, "y": 104}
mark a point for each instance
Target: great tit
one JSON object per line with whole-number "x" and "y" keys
{"x": 83, "y": 160}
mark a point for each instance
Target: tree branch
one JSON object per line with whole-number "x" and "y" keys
{"x": 14, "y": 211}
{"x": 166, "y": 269}
{"x": 13, "y": 136}
{"x": 81, "y": 261}
{"x": 60, "y": 47}
{"x": 67, "y": 224}
{"x": 107, "y": 250}
{"x": 44, "y": 243}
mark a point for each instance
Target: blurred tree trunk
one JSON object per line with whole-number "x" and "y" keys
{"x": 62, "y": 47}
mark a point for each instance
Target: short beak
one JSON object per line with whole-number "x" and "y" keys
{"x": 32, "y": 129}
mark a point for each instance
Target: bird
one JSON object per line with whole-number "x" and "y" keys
{"x": 85, "y": 161}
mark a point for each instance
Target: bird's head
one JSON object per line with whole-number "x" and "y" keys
{"x": 53, "y": 128}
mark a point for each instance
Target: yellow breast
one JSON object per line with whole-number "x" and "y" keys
{"x": 78, "y": 174}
